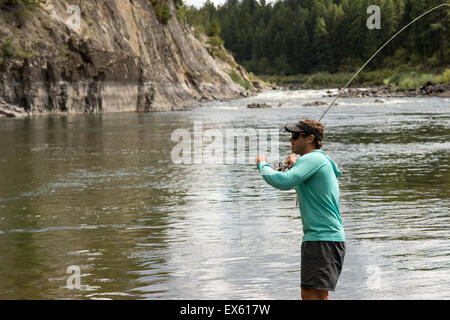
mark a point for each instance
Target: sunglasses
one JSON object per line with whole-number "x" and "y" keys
{"x": 295, "y": 135}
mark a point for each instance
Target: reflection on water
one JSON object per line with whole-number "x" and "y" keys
{"x": 100, "y": 192}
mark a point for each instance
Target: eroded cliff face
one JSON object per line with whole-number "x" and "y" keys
{"x": 120, "y": 59}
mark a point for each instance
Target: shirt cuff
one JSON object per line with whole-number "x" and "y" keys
{"x": 261, "y": 164}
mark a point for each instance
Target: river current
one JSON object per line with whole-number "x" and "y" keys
{"x": 102, "y": 194}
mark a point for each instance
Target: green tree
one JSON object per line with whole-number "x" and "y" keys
{"x": 321, "y": 45}
{"x": 304, "y": 36}
{"x": 166, "y": 15}
{"x": 214, "y": 28}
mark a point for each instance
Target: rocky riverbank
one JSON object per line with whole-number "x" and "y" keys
{"x": 10, "y": 111}
{"x": 430, "y": 89}
{"x": 121, "y": 58}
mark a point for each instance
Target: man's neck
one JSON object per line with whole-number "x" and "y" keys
{"x": 308, "y": 150}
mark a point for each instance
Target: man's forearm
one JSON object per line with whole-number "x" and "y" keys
{"x": 276, "y": 179}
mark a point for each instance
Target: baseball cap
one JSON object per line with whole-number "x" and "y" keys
{"x": 303, "y": 127}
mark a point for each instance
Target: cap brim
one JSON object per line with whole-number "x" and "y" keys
{"x": 292, "y": 128}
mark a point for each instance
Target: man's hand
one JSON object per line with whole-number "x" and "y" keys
{"x": 260, "y": 159}
{"x": 290, "y": 160}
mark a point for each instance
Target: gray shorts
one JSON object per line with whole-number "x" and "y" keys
{"x": 321, "y": 264}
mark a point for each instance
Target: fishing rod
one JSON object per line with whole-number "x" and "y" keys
{"x": 279, "y": 165}
{"x": 285, "y": 139}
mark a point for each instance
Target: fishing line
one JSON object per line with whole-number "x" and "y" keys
{"x": 279, "y": 164}
{"x": 370, "y": 59}
{"x": 381, "y": 48}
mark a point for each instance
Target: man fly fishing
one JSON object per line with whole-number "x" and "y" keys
{"x": 315, "y": 179}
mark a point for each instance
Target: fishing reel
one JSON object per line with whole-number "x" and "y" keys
{"x": 279, "y": 166}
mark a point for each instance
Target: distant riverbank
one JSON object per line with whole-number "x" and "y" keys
{"x": 382, "y": 83}
{"x": 441, "y": 90}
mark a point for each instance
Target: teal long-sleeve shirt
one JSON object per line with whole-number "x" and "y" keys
{"x": 315, "y": 179}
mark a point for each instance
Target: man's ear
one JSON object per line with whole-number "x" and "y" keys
{"x": 310, "y": 138}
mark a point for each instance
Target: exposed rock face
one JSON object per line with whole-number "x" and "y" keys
{"x": 121, "y": 59}
{"x": 10, "y": 111}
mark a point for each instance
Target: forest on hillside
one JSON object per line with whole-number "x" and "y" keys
{"x": 291, "y": 37}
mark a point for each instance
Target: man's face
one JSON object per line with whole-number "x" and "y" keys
{"x": 299, "y": 143}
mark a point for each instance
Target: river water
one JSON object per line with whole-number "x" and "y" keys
{"x": 102, "y": 195}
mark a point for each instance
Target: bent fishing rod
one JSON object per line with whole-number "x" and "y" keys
{"x": 280, "y": 166}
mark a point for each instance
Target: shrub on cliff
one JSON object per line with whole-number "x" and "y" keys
{"x": 215, "y": 41}
{"x": 214, "y": 28}
{"x": 181, "y": 14}
{"x": 238, "y": 79}
{"x": 165, "y": 14}
{"x": 10, "y": 48}
{"x": 179, "y": 3}
{"x": 162, "y": 13}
